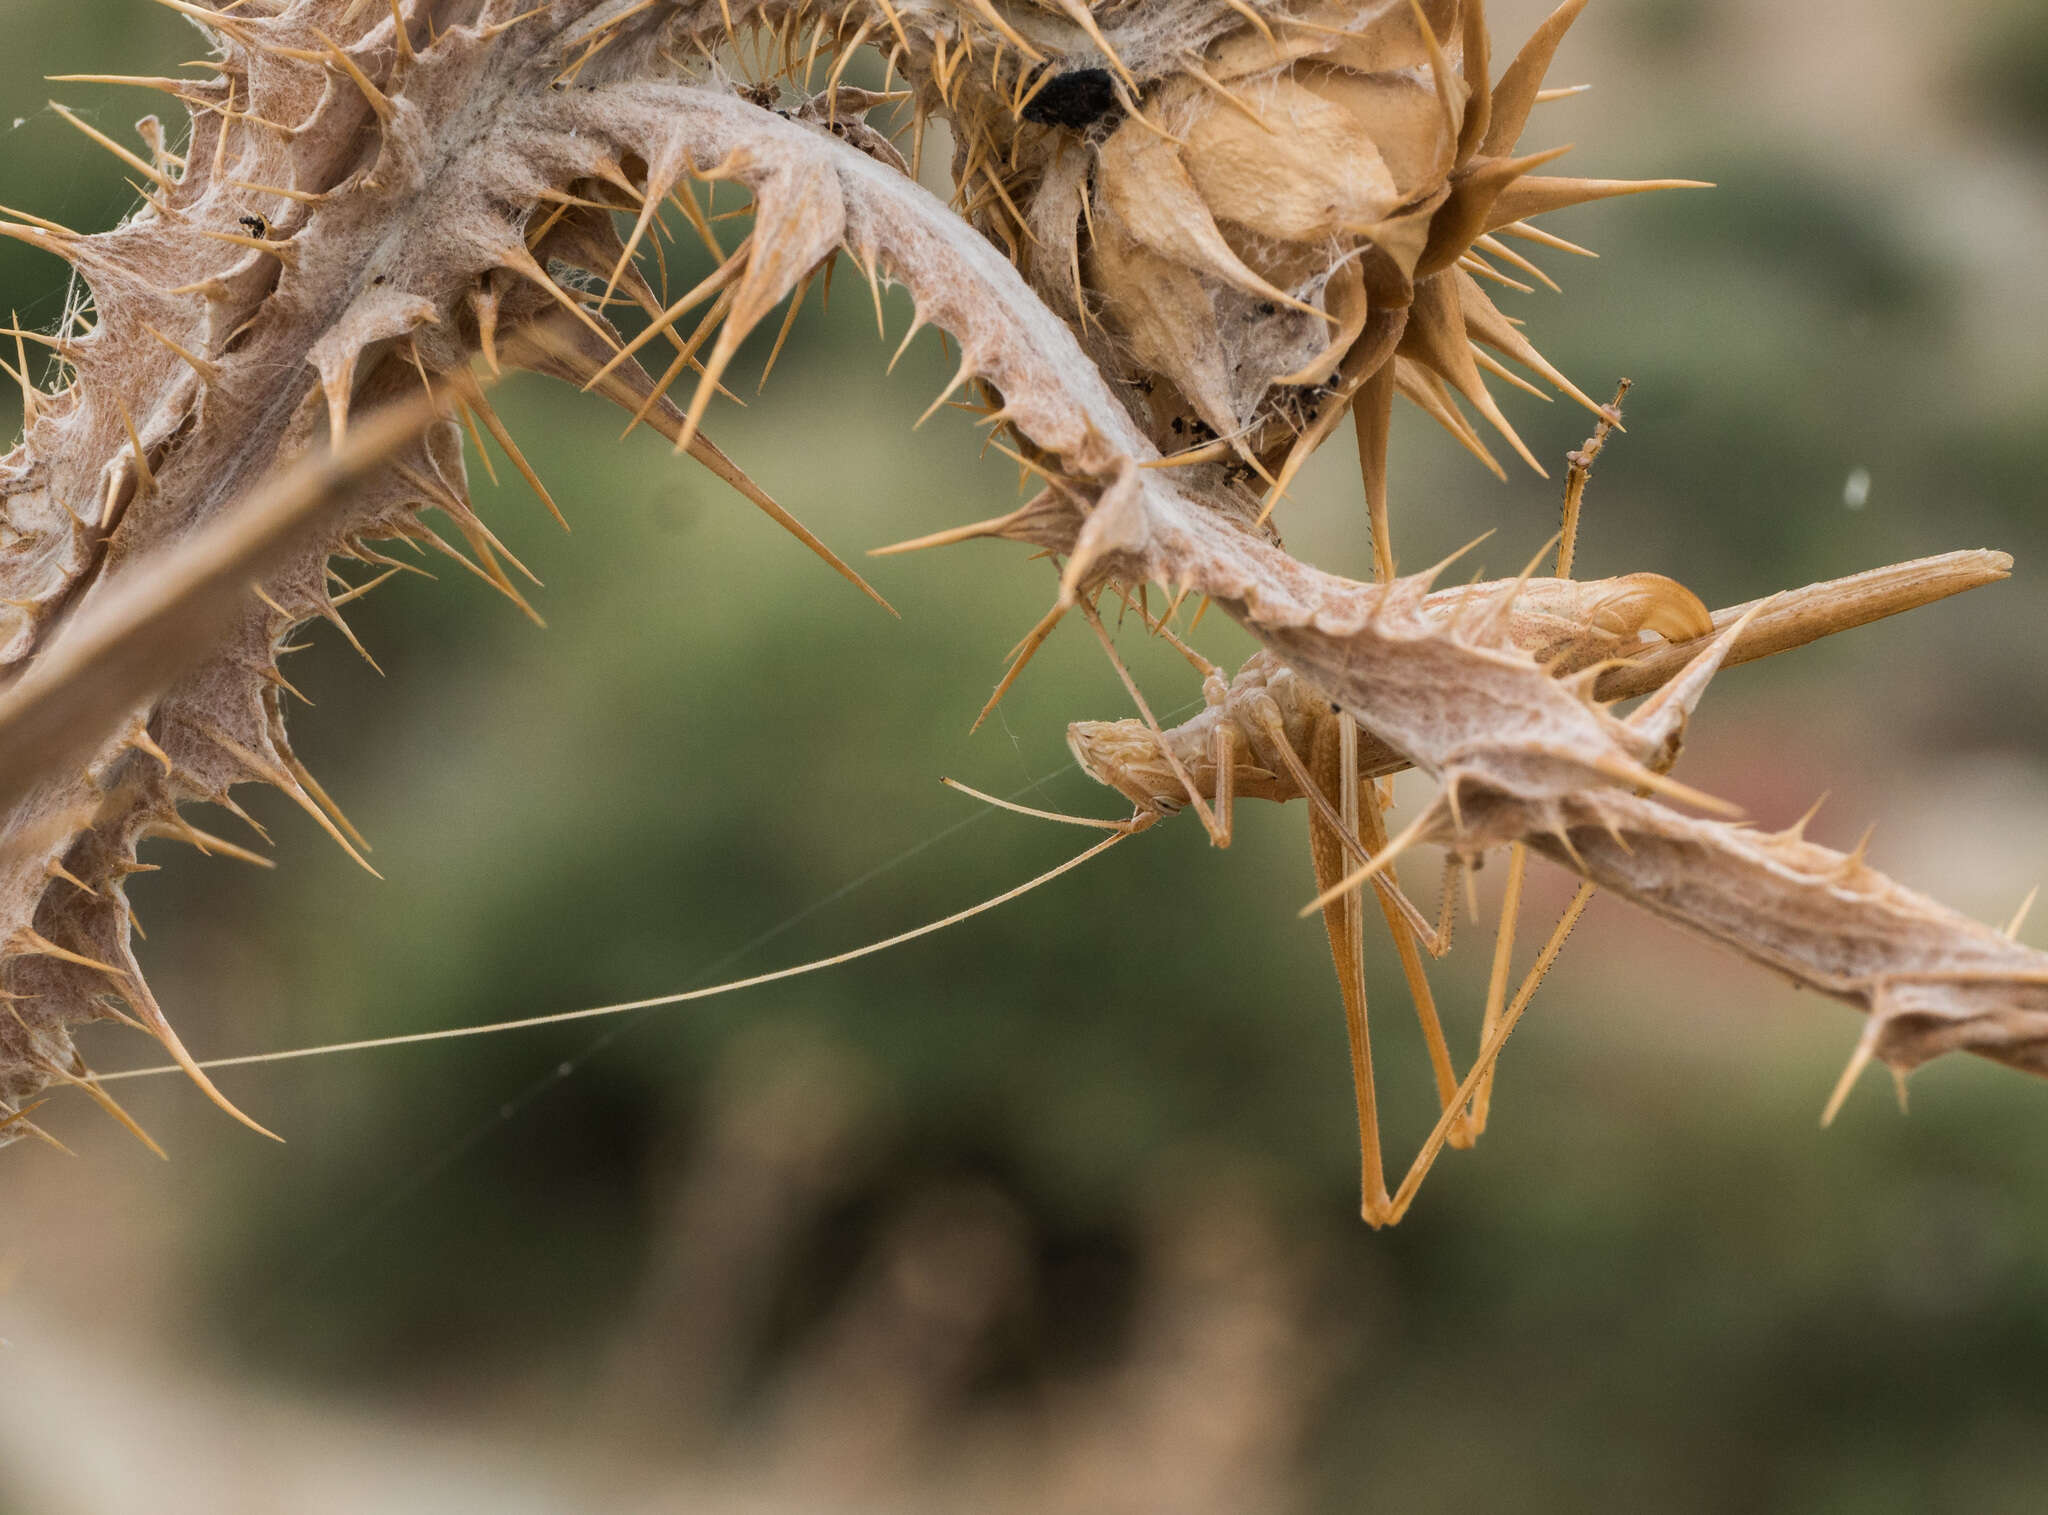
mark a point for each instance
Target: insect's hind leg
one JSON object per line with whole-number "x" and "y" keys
{"x": 1373, "y": 832}
{"x": 1344, "y": 922}
{"x": 1489, "y": 1055}
{"x": 1472, "y": 1120}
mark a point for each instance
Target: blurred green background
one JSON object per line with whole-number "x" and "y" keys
{"x": 1057, "y": 1210}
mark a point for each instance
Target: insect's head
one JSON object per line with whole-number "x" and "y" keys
{"x": 1126, "y": 756}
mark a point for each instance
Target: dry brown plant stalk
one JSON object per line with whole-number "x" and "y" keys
{"x": 1190, "y": 237}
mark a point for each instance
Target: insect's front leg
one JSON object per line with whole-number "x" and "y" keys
{"x": 1344, "y": 923}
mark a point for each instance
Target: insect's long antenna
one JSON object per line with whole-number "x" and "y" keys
{"x": 1124, "y": 828}
{"x": 492, "y": 1028}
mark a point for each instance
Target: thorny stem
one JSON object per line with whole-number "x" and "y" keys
{"x": 443, "y": 180}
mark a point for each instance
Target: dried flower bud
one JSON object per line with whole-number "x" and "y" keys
{"x": 1296, "y": 172}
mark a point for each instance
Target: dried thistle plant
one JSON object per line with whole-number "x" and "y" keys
{"x": 1191, "y": 237}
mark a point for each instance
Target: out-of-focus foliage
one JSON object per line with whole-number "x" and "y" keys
{"x": 1057, "y": 1210}
{"x": 2008, "y": 72}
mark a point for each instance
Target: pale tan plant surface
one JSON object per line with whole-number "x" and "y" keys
{"x": 1189, "y": 241}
